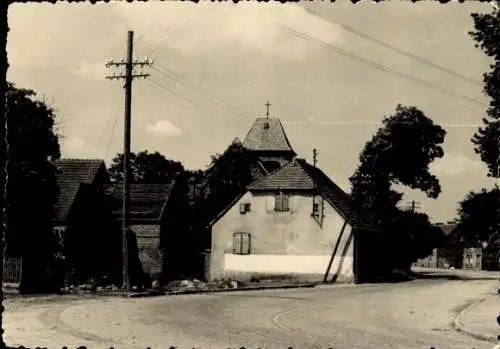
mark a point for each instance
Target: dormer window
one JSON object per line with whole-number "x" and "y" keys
{"x": 266, "y": 125}
{"x": 244, "y": 207}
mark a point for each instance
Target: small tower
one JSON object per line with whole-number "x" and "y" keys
{"x": 268, "y": 141}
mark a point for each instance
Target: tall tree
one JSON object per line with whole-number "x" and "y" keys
{"x": 486, "y": 140}
{"x": 146, "y": 168}
{"x": 399, "y": 153}
{"x": 32, "y": 187}
{"x": 227, "y": 177}
{"x": 478, "y": 214}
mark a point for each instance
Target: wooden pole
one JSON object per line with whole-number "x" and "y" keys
{"x": 337, "y": 244}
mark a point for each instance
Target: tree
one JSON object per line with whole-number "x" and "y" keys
{"x": 487, "y": 138}
{"x": 32, "y": 187}
{"x": 226, "y": 178}
{"x": 146, "y": 168}
{"x": 478, "y": 214}
{"x": 399, "y": 153}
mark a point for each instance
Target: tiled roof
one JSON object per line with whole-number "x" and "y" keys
{"x": 146, "y": 200}
{"x": 448, "y": 229}
{"x": 301, "y": 176}
{"x": 267, "y": 134}
{"x": 72, "y": 173}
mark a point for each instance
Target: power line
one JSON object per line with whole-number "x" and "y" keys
{"x": 381, "y": 67}
{"x": 158, "y": 44}
{"x": 112, "y": 135}
{"x": 375, "y": 123}
{"x": 395, "y": 49}
{"x": 170, "y": 74}
{"x": 173, "y": 92}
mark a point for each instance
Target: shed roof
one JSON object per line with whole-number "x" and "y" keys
{"x": 267, "y": 134}
{"x": 70, "y": 175}
{"x": 147, "y": 201}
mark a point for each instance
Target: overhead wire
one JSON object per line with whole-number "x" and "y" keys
{"x": 394, "y": 48}
{"x": 179, "y": 79}
{"x": 379, "y": 66}
{"x": 162, "y": 86}
{"x": 188, "y": 16}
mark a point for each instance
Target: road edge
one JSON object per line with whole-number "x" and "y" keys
{"x": 458, "y": 326}
{"x": 256, "y": 288}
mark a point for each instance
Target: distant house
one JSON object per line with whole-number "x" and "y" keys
{"x": 482, "y": 258}
{"x": 148, "y": 220}
{"x": 81, "y": 218}
{"x": 289, "y": 222}
{"x": 449, "y": 253}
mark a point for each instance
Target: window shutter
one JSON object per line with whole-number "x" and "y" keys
{"x": 285, "y": 202}
{"x": 236, "y": 243}
{"x": 278, "y": 202}
{"x": 245, "y": 243}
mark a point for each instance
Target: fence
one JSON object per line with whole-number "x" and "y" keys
{"x": 12, "y": 270}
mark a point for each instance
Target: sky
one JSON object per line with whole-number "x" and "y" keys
{"x": 331, "y": 71}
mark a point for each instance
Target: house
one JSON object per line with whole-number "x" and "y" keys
{"x": 81, "y": 220}
{"x": 483, "y": 258}
{"x": 148, "y": 220}
{"x": 290, "y": 222}
{"x": 76, "y": 178}
{"x": 449, "y": 253}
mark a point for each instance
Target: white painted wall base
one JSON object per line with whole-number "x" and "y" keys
{"x": 287, "y": 264}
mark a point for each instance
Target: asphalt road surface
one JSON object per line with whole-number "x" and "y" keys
{"x": 408, "y": 315}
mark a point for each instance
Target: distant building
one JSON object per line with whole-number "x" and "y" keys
{"x": 81, "y": 219}
{"x": 483, "y": 258}
{"x": 449, "y": 253}
{"x": 148, "y": 220}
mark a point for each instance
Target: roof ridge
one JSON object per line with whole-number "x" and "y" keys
{"x": 80, "y": 159}
{"x": 284, "y": 134}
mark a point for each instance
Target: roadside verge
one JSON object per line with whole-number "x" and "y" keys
{"x": 482, "y": 313}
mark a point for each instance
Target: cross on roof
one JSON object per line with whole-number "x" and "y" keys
{"x": 267, "y": 109}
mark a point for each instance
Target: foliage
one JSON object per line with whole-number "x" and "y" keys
{"x": 413, "y": 229}
{"x": 399, "y": 153}
{"x": 486, "y": 140}
{"x": 32, "y": 187}
{"x": 478, "y": 214}
{"x": 226, "y": 178}
{"x": 146, "y": 168}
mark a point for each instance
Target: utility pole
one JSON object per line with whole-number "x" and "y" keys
{"x": 129, "y": 76}
{"x": 315, "y": 160}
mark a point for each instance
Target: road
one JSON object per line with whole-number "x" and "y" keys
{"x": 409, "y": 315}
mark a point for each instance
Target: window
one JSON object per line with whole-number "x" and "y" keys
{"x": 281, "y": 202}
{"x": 316, "y": 209}
{"x": 241, "y": 243}
{"x": 244, "y": 208}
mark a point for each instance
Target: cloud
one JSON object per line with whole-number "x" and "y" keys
{"x": 163, "y": 128}
{"x": 73, "y": 144}
{"x": 214, "y": 27}
{"x": 94, "y": 71}
{"x": 453, "y": 164}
